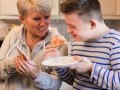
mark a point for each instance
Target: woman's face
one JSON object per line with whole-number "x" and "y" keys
{"x": 36, "y": 24}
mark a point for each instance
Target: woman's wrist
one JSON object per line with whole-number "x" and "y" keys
{"x": 36, "y": 74}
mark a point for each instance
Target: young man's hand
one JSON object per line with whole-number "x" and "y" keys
{"x": 84, "y": 65}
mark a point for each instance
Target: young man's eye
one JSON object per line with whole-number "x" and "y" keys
{"x": 70, "y": 26}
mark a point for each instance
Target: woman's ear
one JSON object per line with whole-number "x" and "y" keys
{"x": 93, "y": 24}
{"x": 21, "y": 19}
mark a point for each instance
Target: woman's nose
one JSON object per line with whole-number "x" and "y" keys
{"x": 43, "y": 22}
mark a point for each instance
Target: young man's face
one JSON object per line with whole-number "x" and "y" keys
{"x": 79, "y": 30}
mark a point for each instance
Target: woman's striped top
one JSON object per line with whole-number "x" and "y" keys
{"x": 104, "y": 52}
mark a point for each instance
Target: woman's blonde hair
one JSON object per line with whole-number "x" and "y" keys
{"x": 42, "y": 6}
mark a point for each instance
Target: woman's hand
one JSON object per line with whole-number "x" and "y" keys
{"x": 84, "y": 65}
{"x": 58, "y": 40}
{"x": 50, "y": 52}
{"x": 26, "y": 67}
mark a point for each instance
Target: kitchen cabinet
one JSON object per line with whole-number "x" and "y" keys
{"x": 110, "y": 9}
{"x": 8, "y": 9}
{"x": 55, "y": 7}
{"x": 118, "y": 7}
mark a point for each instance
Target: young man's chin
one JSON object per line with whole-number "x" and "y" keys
{"x": 77, "y": 39}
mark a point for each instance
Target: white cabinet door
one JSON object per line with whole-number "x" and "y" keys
{"x": 118, "y": 7}
{"x": 108, "y": 7}
{"x": 8, "y": 7}
{"x": 55, "y": 7}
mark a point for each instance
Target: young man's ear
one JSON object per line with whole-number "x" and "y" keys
{"x": 93, "y": 24}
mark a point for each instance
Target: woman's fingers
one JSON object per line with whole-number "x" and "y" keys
{"x": 21, "y": 65}
{"x": 27, "y": 68}
{"x": 48, "y": 46}
{"x": 49, "y": 50}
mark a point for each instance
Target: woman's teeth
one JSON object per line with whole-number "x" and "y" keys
{"x": 41, "y": 28}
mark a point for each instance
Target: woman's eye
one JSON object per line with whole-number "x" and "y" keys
{"x": 36, "y": 19}
{"x": 46, "y": 17}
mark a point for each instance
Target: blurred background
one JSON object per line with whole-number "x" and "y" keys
{"x": 9, "y": 19}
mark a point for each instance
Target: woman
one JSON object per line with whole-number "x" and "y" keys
{"x": 26, "y": 73}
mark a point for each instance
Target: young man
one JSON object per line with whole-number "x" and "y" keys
{"x": 95, "y": 45}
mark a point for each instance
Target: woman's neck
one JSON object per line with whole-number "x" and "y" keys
{"x": 31, "y": 41}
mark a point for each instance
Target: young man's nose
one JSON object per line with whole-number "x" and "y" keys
{"x": 69, "y": 30}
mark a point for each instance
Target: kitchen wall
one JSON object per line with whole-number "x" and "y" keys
{"x": 113, "y": 24}
{"x": 62, "y": 27}
{"x": 54, "y": 23}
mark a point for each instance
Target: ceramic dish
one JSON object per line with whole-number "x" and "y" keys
{"x": 64, "y": 61}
